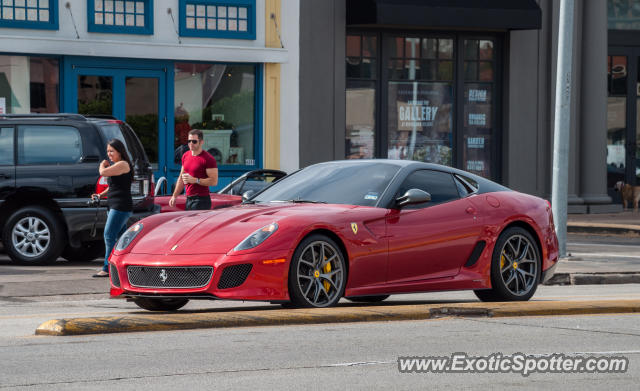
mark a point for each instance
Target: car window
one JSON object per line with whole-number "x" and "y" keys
{"x": 119, "y": 131}
{"x": 42, "y": 144}
{"x": 334, "y": 183}
{"x": 6, "y": 146}
{"x": 111, "y": 131}
{"x": 437, "y": 183}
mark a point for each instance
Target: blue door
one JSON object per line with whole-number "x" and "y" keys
{"x": 131, "y": 91}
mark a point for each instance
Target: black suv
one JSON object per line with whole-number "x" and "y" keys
{"x": 48, "y": 171}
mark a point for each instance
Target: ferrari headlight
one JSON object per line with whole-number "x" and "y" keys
{"x": 257, "y": 237}
{"x": 128, "y": 236}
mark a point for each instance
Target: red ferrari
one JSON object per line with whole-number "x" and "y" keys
{"x": 360, "y": 229}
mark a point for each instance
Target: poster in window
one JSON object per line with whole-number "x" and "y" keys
{"x": 420, "y": 121}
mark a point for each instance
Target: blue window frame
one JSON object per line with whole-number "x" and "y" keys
{"x": 29, "y": 14}
{"x": 234, "y": 19}
{"x": 120, "y": 16}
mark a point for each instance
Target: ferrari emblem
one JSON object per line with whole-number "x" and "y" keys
{"x": 163, "y": 276}
{"x": 354, "y": 228}
{"x": 174, "y": 247}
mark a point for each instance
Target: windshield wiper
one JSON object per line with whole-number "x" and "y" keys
{"x": 301, "y": 201}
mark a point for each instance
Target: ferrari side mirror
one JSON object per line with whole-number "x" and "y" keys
{"x": 413, "y": 196}
{"x": 247, "y": 194}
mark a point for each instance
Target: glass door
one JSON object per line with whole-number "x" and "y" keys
{"x": 623, "y": 118}
{"x": 131, "y": 95}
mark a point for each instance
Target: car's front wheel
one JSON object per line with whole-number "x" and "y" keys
{"x": 166, "y": 304}
{"x": 317, "y": 275}
{"x": 515, "y": 267}
{"x": 33, "y": 236}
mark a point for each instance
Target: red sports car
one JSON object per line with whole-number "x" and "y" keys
{"x": 362, "y": 229}
{"x": 251, "y": 182}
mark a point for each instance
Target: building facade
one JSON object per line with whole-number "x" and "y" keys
{"x": 165, "y": 67}
{"x": 471, "y": 84}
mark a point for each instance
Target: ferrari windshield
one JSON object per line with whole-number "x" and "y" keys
{"x": 348, "y": 183}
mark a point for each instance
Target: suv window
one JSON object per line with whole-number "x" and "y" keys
{"x": 437, "y": 183}
{"x": 40, "y": 144}
{"x": 115, "y": 130}
{"x": 6, "y": 146}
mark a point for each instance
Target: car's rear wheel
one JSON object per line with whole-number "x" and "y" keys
{"x": 317, "y": 275}
{"x": 515, "y": 267}
{"x": 87, "y": 251}
{"x": 165, "y": 304}
{"x": 33, "y": 236}
{"x": 368, "y": 299}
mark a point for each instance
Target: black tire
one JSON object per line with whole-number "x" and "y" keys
{"x": 87, "y": 251}
{"x": 367, "y": 299}
{"x": 161, "y": 304}
{"x": 515, "y": 276}
{"x": 33, "y": 235}
{"x": 308, "y": 287}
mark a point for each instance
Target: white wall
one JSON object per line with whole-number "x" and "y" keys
{"x": 163, "y": 44}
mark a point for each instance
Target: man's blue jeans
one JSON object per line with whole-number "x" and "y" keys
{"x": 116, "y": 225}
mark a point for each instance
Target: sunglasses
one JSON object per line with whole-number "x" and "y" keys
{"x": 193, "y": 141}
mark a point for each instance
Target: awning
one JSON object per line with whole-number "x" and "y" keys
{"x": 459, "y": 14}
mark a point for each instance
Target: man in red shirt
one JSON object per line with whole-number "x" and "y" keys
{"x": 199, "y": 171}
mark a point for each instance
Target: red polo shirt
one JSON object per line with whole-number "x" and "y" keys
{"x": 197, "y": 166}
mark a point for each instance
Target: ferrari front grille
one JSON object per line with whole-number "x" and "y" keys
{"x": 113, "y": 274}
{"x": 169, "y": 277}
{"x": 233, "y": 276}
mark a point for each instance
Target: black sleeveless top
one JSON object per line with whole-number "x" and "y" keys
{"x": 119, "y": 194}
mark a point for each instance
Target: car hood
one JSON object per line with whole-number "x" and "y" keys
{"x": 219, "y": 231}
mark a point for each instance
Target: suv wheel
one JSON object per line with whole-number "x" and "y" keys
{"x": 33, "y": 236}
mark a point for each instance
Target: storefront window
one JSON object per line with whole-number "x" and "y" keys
{"x": 29, "y": 85}
{"x": 478, "y": 126}
{"x": 616, "y": 119}
{"x": 623, "y": 14}
{"x": 219, "y": 99}
{"x": 420, "y": 99}
{"x": 362, "y": 65}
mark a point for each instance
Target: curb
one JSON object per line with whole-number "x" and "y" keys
{"x": 594, "y": 278}
{"x": 604, "y": 229}
{"x": 370, "y": 313}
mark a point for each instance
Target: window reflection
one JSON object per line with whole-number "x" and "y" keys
{"x": 29, "y": 85}
{"x": 219, "y": 99}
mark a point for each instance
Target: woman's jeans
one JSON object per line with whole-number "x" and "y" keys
{"x": 115, "y": 227}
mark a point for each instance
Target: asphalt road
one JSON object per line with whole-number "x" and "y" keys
{"x": 342, "y": 356}
{"x": 345, "y": 356}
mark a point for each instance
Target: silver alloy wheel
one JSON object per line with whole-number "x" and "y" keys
{"x": 31, "y": 237}
{"x": 320, "y": 273}
{"x": 519, "y": 265}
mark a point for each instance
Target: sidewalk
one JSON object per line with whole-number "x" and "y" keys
{"x": 623, "y": 223}
{"x": 620, "y": 265}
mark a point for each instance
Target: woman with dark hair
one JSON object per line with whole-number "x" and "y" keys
{"x": 119, "y": 177}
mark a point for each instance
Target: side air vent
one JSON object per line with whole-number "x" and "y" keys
{"x": 113, "y": 274}
{"x": 475, "y": 254}
{"x": 233, "y": 276}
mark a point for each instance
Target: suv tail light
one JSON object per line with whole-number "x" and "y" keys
{"x": 101, "y": 185}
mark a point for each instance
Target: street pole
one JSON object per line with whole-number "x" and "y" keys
{"x": 562, "y": 124}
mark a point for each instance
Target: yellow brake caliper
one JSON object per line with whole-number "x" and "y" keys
{"x": 326, "y": 269}
{"x": 501, "y": 261}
